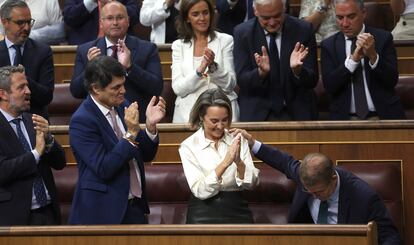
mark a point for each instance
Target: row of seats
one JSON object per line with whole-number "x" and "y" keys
{"x": 64, "y": 105}
{"x": 168, "y": 191}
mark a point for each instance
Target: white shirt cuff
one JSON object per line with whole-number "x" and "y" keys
{"x": 256, "y": 147}
{"x": 350, "y": 64}
{"x": 36, "y": 155}
{"x": 375, "y": 64}
{"x": 151, "y": 136}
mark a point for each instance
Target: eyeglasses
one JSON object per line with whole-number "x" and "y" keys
{"x": 22, "y": 23}
{"x": 112, "y": 18}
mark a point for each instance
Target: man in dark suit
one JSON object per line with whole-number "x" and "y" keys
{"x": 82, "y": 16}
{"x": 359, "y": 68}
{"x": 17, "y": 49}
{"x": 140, "y": 58}
{"x": 27, "y": 151}
{"x": 326, "y": 194}
{"x": 110, "y": 149}
{"x": 273, "y": 86}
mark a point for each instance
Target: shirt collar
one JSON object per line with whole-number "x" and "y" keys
{"x": 102, "y": 108}
{"x": 8, "y": 116}
{"x": 204, "y": 142}
{"x": 10, "y": 43}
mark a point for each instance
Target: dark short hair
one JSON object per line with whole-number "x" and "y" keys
{"x": 321, "y": 171}
{"x": 6, "y": 73}
{"x": 184, "y": 29}
{"x": 210, "y": 97}
{"x": 100, "y": 71}
{"x": 360, "y": 3}
{"x": 8, "y": 6}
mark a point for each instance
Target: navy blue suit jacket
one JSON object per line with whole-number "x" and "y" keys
{"x": 255, "y": 96}
{"x": 358, "y": 203}
{"x": 101, "y": 195}
{"x": 18, "y": 169}
{"x": 231, "y": 17}
{"x": 37, "y": 60}
{"x": 381, "y": 80}
{"x": 84, "y": 26}
{"x": 144, "y": 78}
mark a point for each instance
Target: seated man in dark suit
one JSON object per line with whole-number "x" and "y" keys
{"x": 359, "y": 68}
{"x": 18, "y": 49}
{"x": 139, "y": 58}
{"x": 110, "y": 149}
{"x": 276, "y": 66}
{"x": 82, "y": 16}
{"x": 27, "y": 152}
{"x": 326, "y": 194}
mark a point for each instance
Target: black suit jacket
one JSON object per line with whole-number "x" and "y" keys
{"x": 17, "y": 171}
{"x": 143, "y": 81}
{"x": 381, "y": 80}
{"x": 255, "y": 94}
{"x": 38, "y": 63}
{"x": 358, "y": 203}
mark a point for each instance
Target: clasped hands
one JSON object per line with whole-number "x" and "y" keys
{"x": 365, "y": 46}
{"x": 43, "y": 135}
{"x": 123, "y": 54}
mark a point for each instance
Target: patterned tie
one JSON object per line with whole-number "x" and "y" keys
{"x": 135, "y": 184}
{"x": 277, "y": 90}
{"x": 323, "y": 213}
{"x": 38, "y": 186}
{"x": 361, "y": 105}
{"x": 18, "y": 58}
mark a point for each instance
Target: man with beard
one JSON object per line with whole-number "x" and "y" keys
{"x": 27, "y": 151}
{"x": 18, "y": 49}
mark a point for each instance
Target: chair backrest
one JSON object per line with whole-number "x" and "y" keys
{"x": 63, "y": 105}
{"x": 385, "y": 178}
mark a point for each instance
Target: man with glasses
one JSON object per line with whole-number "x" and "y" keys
{"x": 276, "y": 66}
{"x": 83, "y": 18}
{"x": 139, "y": 58}
{"x": 28, "y": 193}
{"x": 326, "y": 194}
{"x": 18, "y": 49}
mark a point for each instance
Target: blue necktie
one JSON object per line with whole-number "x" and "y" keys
{"x": 323, "y": 213}
{"x": 38, "y": 186}
{"x": 276, "y": 84}
{"x": 18, "y": 58}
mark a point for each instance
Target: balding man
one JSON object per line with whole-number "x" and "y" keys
{"x": 276, "y": 66}
{"x": 326, "y": 194}
{"x": 138, "y": 57}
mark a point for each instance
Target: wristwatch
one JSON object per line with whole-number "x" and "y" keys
{"x": 129, "y": 136}
{"x": 322, "y": 9}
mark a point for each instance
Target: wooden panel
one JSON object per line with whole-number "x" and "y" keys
{"x": 64, "y": 59}
{"x": 191, "y": 234}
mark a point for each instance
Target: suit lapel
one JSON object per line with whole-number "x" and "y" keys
{"x": 340, "y": 46}
{"x": 27, "y": 53}
{"x": 343, "y": 202}
{"x": 101, "y": 44}
{"x": 5, "y": 58}
{"x": 286, "y": 48}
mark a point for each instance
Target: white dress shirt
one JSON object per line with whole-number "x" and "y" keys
{"x": 200, "y": 159}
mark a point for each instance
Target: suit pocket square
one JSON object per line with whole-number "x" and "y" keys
{"x": 89, "y": 185}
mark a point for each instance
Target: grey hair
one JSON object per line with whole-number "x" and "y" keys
{"x": 5, "y": 76}
{"x": 210, "y": 97}
{"x": 316, "y": 168}
{"x": 266, "y": 2}
{"x": 360, "y": 3}
{"x": 8, "y": 6}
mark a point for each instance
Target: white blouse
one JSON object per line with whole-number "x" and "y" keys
{"x": 200, "y": 159}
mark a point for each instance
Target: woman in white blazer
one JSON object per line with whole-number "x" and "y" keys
{"x": 201, "y": 59}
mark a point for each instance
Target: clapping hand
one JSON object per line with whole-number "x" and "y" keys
{"x": 297, "y": 56}
{"x": 155, "y": 112}
{"x": 262, "y": 62}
